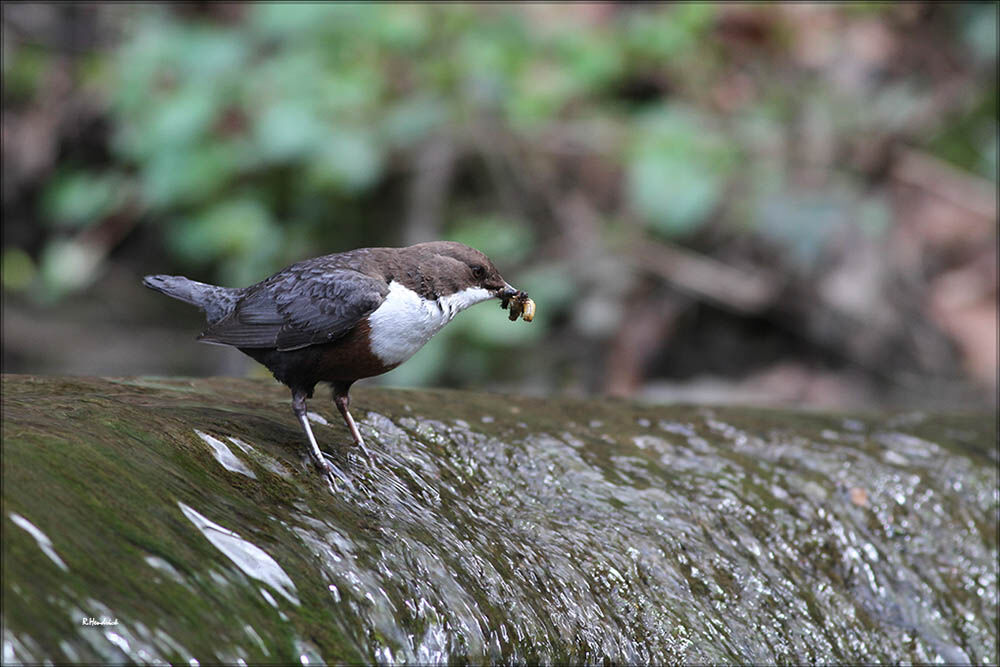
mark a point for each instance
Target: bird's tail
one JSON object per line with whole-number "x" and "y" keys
{"x": 217, "y": 302}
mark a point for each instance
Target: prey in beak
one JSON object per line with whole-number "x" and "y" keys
{"x": 519, "y": 303}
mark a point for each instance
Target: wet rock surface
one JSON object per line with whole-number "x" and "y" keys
{"x": 151, "y": 519}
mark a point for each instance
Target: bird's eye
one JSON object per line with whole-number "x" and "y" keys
{"x": 478, "y": 271}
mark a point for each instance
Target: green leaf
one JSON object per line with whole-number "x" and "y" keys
{"x": 979, "y": 30}
{"x": 678, "y": 170}
{"x": 79, "y": 199}
{"x": 803, "y": 221}
{"x": 347, "y": 160}
{"x": 543, "y": 89}
{"x": 402, "y": 27}
{"x": 18, "y": 269}
{"x": 669, "y": 32}
{"x": 234, "y": 227}
{"x": 672, "y": 193}
{"x": 412, "y": 120}
{"x": 67, "y": 266}
{"x": 287, "y": 130}
{"x": 183, "y": 119}
{"x": 173, "y": 177}
{"x": 592, "y": 59}
{"x": 206, "y": 54}
{"x": 23, "y": 71}
{"x": 502, "y": 239}
{"x": 308, "y": 20}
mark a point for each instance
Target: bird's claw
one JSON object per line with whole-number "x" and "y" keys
{"x": 333, "y": 476}
{"x": 365, "y": 455}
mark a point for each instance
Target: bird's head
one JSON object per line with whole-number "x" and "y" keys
{"x": 470, "y": 267}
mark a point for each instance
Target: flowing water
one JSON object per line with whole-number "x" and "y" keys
{"x": 164, "y": 520}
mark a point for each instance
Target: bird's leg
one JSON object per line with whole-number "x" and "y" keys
{"x": 342, "y": 400}
{"x": 299, "y": 408}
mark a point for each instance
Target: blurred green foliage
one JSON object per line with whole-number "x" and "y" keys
{"x": 678, "y": 169}
{"x": 279, "y": 134}
{"x": 230, "y": 135}
{"x": 81, "y": 198}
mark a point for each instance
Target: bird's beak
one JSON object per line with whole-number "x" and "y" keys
{"x": 506, "y": 292}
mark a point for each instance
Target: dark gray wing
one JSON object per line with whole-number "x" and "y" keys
{"x": 298, "y": 308}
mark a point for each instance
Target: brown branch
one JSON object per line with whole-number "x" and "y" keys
{"x": 967, "y": 191}
{"x": 733, "y": 288}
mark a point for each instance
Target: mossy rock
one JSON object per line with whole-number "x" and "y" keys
{"x": 171, "y": 519}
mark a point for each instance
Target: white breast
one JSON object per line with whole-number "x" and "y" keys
{"x": 405, "y": 321}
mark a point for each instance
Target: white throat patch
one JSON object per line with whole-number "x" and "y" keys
{"x": 405, "y": 321}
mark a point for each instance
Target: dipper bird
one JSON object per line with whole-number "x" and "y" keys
{"x": 346, "y": 316}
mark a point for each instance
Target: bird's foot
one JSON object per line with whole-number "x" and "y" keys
{"x": 335, "y": 478}
{"x": 365, "y": 456}
{"x": 341, "y": 400}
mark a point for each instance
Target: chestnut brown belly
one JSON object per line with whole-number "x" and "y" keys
{"x": 343, "y": 361}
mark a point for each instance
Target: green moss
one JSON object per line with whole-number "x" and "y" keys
{"x": 543, "y": 534}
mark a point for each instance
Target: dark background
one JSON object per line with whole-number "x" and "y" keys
{"x": 787, "y": 204}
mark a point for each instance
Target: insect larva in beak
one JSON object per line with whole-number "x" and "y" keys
{"x": 528, "y": 313}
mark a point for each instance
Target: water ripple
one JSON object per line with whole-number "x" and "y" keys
{"x": 251, "y": 559}
{"x": 225, "y": 456}
{"x": 43, "y": 541}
